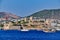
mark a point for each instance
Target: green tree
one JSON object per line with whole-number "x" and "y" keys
{"x": 1, "y": 25}
{"x": 19, "y": 22}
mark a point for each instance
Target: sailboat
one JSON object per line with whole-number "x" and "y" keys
{"x": 50, "y": 29}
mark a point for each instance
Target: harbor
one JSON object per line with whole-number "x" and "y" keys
{"x": 32, "y": 23}
{"x": 28, "y": 35}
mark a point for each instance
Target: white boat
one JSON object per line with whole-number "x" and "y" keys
{"x": 24, "y": 30}
{"x": 58, "y": 29}
{"x": 52, "y": 30}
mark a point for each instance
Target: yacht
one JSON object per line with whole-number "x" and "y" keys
{"x": 24, "y": 30}
{"x": 49, "y": 30}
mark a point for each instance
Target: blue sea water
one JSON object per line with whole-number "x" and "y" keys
{"x": 29, "y": 35}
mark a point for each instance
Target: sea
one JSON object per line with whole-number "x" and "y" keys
{"x": 28, "y": 35}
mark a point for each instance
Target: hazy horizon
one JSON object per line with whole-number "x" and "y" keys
{"x": 27, "y": 7}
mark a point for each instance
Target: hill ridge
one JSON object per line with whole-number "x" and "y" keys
{"x": 47, "y": 13}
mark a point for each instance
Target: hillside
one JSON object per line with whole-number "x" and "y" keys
{"x": 9, "y": 15}
{"x": 53, "y": 13}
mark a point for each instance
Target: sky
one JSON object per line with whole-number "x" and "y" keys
{"x": 27, "y": 7}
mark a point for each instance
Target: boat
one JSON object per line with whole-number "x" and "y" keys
{"x": 58, "y": 29}
{"x": 49, "y": 30}
{"x": 24, "y": 30}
